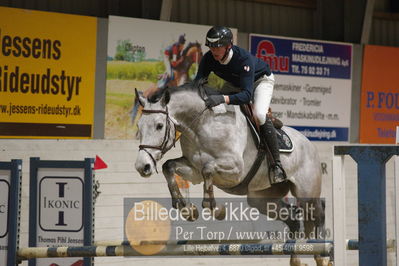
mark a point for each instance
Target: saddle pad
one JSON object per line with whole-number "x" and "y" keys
{"x": 284, "y": 141}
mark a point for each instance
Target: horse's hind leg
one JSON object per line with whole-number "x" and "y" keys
{"x": 271, "y": 205}
{"x": 314, "y": 224}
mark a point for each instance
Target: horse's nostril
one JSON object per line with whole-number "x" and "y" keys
{"x": 147, "y": 167}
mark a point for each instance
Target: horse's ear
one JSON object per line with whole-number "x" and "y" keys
{"x": 165, "y": 98}
{"x": 140, "y": 98}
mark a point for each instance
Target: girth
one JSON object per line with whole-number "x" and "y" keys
{"x": 263, "y": 151}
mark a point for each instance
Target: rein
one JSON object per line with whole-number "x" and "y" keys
{"x": 192, "y": 122}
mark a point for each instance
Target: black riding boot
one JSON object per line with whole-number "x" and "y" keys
{"x": 268, "y": 134}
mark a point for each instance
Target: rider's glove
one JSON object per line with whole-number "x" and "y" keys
{"x": 214, "y": 100}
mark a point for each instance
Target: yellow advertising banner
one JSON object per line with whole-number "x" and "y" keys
{"x": 47, "y": 74}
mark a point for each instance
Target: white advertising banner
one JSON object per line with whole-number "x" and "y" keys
{"x": 60, "y": 211}
{"x": 313, "y": 84}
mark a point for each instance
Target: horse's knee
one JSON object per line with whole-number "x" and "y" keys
{"x": 319, "y": 212}
{"x": 208, "y": 170}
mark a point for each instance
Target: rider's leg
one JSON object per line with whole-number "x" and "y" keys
{"x": 268, "y": 134}
{"x": 262, "y": 97}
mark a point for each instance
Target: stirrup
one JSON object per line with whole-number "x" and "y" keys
{"x": 277, "y": 174}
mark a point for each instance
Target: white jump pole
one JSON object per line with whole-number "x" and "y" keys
{"x": 339, "y": 206}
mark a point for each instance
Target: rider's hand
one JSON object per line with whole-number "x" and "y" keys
{"x": 214, "y": 100}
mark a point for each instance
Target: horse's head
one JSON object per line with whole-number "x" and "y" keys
{"x": 193, "y": 52}
{"x": 157, "y": 133}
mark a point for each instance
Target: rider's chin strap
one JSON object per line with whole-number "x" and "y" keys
{"x": 227, "y": 56}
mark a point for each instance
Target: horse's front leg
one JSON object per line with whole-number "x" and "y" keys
{"x": 169, "y": 169}
{"x": 209, "y": 197}
{"x": 228, "y": 168}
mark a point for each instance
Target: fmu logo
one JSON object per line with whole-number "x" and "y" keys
{"x": 61, "y": 204}
{"x": 266, "y": 51}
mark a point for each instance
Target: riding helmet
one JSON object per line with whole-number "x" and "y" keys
{"x": 182, "y": 39}
{"x": 219, "y": 36}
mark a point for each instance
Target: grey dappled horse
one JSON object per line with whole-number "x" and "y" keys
{"x": 218, "y": 149}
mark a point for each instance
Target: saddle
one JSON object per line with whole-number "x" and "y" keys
{"x": 284, "y": 141}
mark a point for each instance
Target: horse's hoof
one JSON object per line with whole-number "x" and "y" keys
{"x": 296, "y": 262}
{"x": 178, "y": 203}
{"x": 219, "y": 212}
{"x": 323, "y": 261}
{"x": 208, "y": 203}
{"x": 190, "y": 213}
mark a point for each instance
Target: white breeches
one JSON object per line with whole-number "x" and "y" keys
{"x": 263, "y": 95}
{"x": 263, "y": 91}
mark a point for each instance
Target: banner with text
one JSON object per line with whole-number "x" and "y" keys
{"x": 47, "y": 74}
{"x": 61, "y": 208}
{"x": 379, "y": 112}
{"x": 228, "y": 231}
{"x": 312, "y": 92}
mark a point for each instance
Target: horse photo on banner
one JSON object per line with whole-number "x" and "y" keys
{"x": 148, "y": 55}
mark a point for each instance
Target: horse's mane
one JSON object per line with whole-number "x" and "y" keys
{"x": 199, "y": 86}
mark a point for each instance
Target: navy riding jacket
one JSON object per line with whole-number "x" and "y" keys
{"x": 242, "y": 71}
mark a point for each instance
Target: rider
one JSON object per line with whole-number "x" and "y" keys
{"x": 248, "y": 78}
{"x": 172, "y": 59}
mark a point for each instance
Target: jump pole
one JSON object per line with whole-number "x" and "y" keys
{"x": 323, "y": 249}
{"x": 350, "y": 244}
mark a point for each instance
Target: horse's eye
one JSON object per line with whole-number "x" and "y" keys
{"x": 159, "y": 126}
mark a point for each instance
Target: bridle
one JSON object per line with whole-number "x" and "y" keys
{"x": 163, "y": 147}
